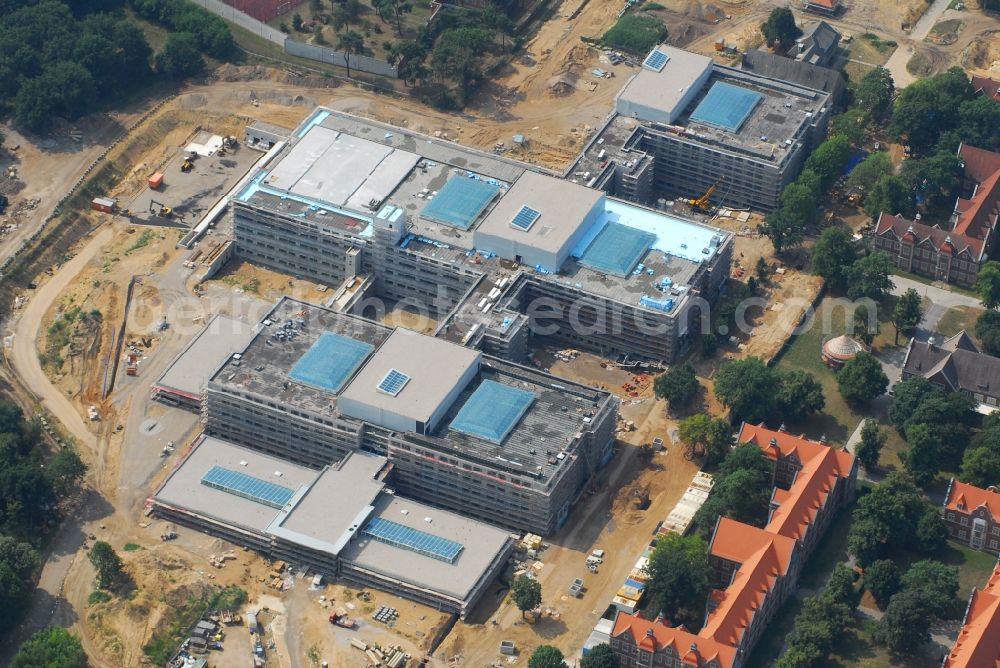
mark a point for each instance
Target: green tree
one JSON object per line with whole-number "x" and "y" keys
{"x": 894, "y": 513}
{"x": 527, "y": 593}
{"x": 679, "y": 386}
{"x": 636, "y": 33}
{"x": 546, "y": 656}
{"x": 110, "y": 570}
{"x": 679, "y": 578}
{"x": 742, "y": 490}
{"x": 746, "y": 388}
{"x": 782, "y": 228}
{"x": 988, "y": 284}
{"x": 828, "y": 160}
{"x": 875, "y": 92}
{"x": 709, "y": 345}
{"x": 988, "y": 332}
{"x": 395, "y": 9}
{"x": 871, "y": 169}
{"x": 600, "y": 656}
{"x": 832, "y": 257}
{"x": 458, "y": 56}
{"x": 799, "y": 395}
{"x": 65, "y": 471}
{"x": 931, "y": 534}
{"x": 862, "y": 379}
{"x": 873, "y": 439}
{"x": 706, "y": 437}
{"x": 978, "y": 125}
{"x": 890, "y": 196}
{"x": 761, "y": 270}
{"x": 882, "y": 580}
{"x": 929, "y": 107}
{"x": 779, "y": 29}
{"x": 907, "y": 313}
{"x": 865, "y": 325}
{"x": 936, "y": 177}
{"x": 869, "y": 277}
{"x": 352, "y": 44}
{"x": 297, "y": 22}
{"x": 907, "y": 397}
{"x": 347, "y": 14}
{"x": 51, "y": 648}
{"x": 799, "y": 201}
{"x": 981, "y": 461}
{"x": 851, "y": 124}
{"x": 938, "y": 586}
{"x": 904, "y": 627}
{"x": 180, "y": 56}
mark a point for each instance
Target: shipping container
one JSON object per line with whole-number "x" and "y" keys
{"x": 103, "y": 204}
{"x": 156, "y": 180}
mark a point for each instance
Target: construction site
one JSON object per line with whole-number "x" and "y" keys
{"x": 108, "y": 342}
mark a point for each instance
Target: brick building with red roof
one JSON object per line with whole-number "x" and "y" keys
{"x": 754, "y": 569}
{"x": 972, "y": 516}
{"x": 988, "y": 87}
{"x": 956, "y": 254}
{"x": 978, "y": 643}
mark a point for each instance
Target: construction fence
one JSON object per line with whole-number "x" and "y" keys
{"x": 295, "y": 48}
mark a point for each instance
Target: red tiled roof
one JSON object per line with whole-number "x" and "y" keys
{"x": 900, "y": 227}
{"x": 964, "y": 494}
{"x": 977, "y": 217}
{"x": 988, "y": 86}
{"x": 678, "y": 637}
{"x": 763, "y": 557}
{"x": 829, "y": 4}
{"x": 978, "y": 643}
{"x": 822, "y": 466}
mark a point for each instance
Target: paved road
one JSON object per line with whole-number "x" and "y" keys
{"x": 24, "y": 356}
{"x": 897, "y": 61}
{"x": 941, "y": 300}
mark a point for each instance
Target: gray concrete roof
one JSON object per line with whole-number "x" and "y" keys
{"x": 666, "y": 88}
{"x": 335, "y": 506}
{"x": 434, "y": 366}
{"x": 563, "y": 206}
{"x": 265, "y": 365}
{"x": 207, "y": 351}
{"x": 481, "y": 542}
{"x": 336, "y": 168}
{"x": 183, "y": 488}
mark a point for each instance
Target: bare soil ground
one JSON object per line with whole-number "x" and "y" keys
{"x": 788, "y": 298}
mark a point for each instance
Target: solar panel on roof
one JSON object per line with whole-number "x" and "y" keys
{"x": 656, "y": 60}
{"x": 393, "y": 382}
{"x": 421, "y": 542}
{"x": 247, "y": 487}
{"x": 492, "y": 411}
{"x": 525, "y": 218}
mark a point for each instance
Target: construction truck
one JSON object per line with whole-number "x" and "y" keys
{"x": 187, "y": 165}
{"x": 340, "y": 618}
{"x": 702, "y": 203}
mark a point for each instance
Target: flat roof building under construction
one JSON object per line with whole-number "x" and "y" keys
{"x": 183, "y": 383}
{"x": 342, "y": 521}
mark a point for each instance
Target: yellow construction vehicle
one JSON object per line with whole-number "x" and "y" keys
{"x": 186, "y": 166}
{"x": 160, "y": 210}
{"x": 702, "y": 203}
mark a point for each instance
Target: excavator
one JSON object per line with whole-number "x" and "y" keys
{"x": 158, "y": 209}
{"x": 702, "y": 203}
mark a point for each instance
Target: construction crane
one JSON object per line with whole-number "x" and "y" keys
{"x": 158, "y": 209}
{"x": 702, "y": 203}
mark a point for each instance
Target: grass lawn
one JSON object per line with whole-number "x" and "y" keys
{"x": 863, "y": 55}
{"x": 838, "y": 420}
{"x": 856, "y": 649}
{"x": 958, "y": 318}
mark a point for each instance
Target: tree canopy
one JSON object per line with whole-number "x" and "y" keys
{"x": 109, "y": 566}
{"x": 600, "y": 656}
{"x": 780, "y": 28}
{"x": 869, "y": 449}
{"x": 869, "y": 277}
{"x": 546, "y": 656}
{"x": 742, "y": 490}
{"x": 938, "y": 585}
{"x": 905, "y": 625}
{"x": 704, "y": 436}
{"x": 988, "y": 332}
{"x": 821, "y": 622}
{"x": 636, "y": 33}
{"x": 679, "y": 386}
{"x": 929, "y": 107}
{"x": 988, "y": 284}
{"x": 981, "y": 460}
{"x": 746, "y": 387}
{"x": 862, "y": 379}
{"x": 874, "y": 92}
{"x": 894, "y": 515}
{"x": 907, "y": 313}
{"x": 51, "y": 648}
{"x": 679, "y": 578}
{"x": 527, "y": 593}
{"x": 871, "y": 169}
{"x": 832, "y": 257}
{"x": 882, "y": 579}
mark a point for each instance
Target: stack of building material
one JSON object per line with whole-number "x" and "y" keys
{"x": 694, "y": 497}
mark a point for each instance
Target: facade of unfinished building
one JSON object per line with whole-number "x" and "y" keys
{"x": 685, "y": 126}
{"x": 488, "y": 247}
{"x": 524, "y": 473}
